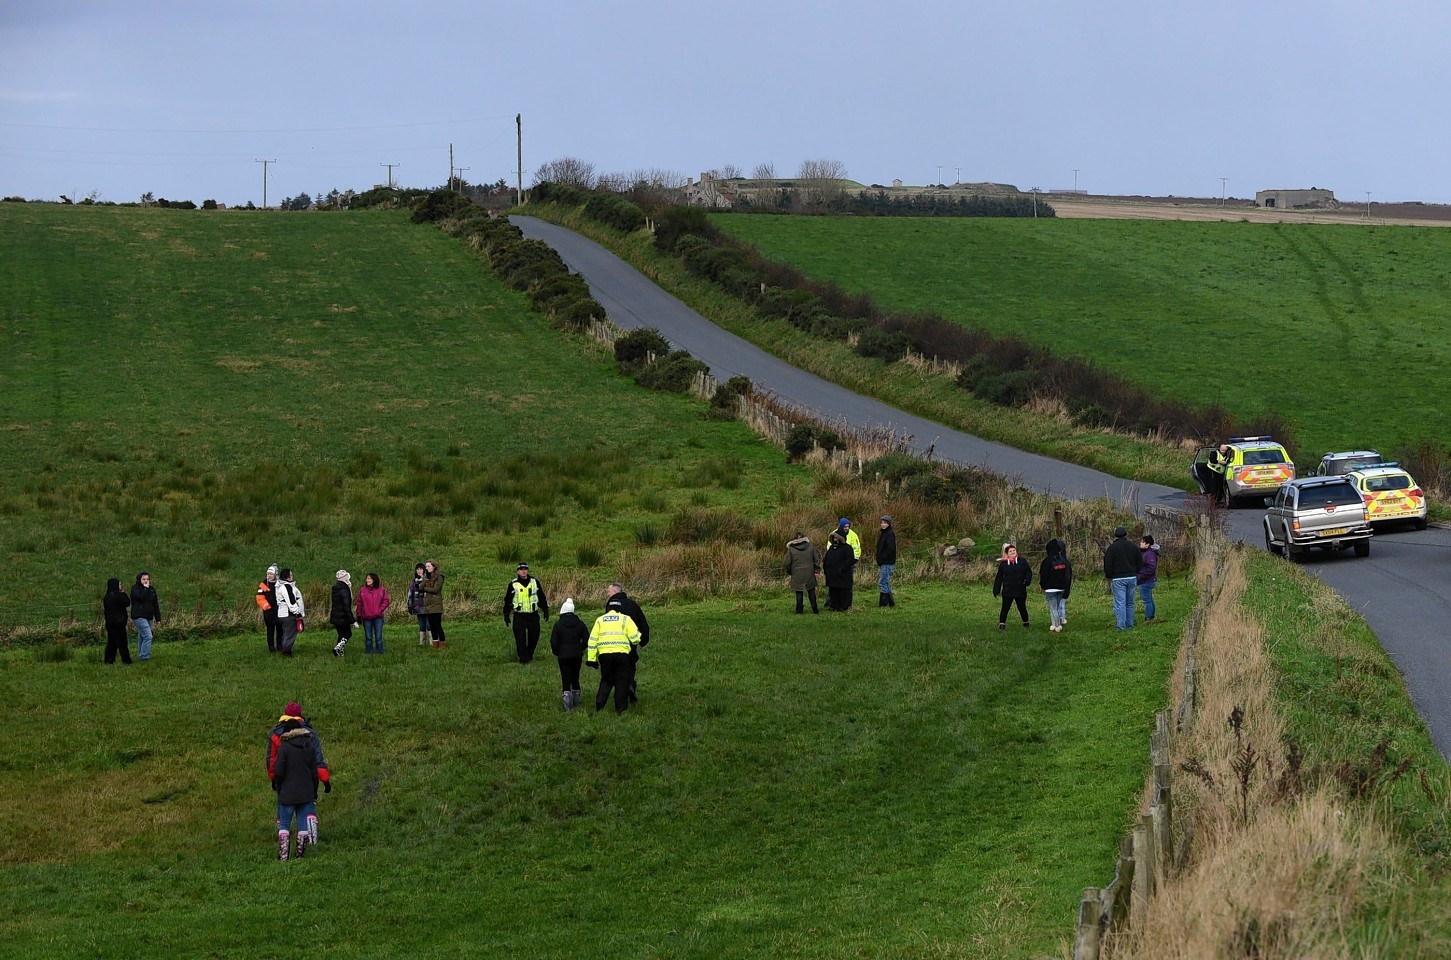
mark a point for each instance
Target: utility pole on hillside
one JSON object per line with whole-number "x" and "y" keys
{"x": 390, "y": 167}
{"x": 264, "y": 180}
{"x": 959, "y": 177}
{"x": 939, "y": 175}
{"x": 1223, "y": 189}
{"x": 519, "y": 146}
{"x": 1367, "y": 204}
{"x": 460, "y": 181}
{"x": 450, "y": 166}
{"x": 1075, "y": 179}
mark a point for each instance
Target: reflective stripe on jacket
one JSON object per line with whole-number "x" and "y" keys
{"x": 526, "y": 600}
{"x": 613, "y": 632}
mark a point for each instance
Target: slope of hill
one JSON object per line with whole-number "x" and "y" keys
{"x": 1336, "y": 327}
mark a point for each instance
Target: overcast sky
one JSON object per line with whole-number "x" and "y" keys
{"x": 1138, "y": 96}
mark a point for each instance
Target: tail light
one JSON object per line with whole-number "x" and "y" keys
{"x": 1416, "y": 492}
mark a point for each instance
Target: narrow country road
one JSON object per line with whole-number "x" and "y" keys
{"x": 1403, "y": 589}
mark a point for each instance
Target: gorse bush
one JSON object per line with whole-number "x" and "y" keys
{"x": 615, "y": 211}
{"x": 636, "y": 347}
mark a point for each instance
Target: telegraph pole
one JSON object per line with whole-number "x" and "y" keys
{"x": 264, "y": 179}
{"x": 519, "y": 144}
{"x": 460, "y": 181}
{"x": 1367, "y": 204}
{"x": 390, "y": 167}
{"x": 1223, "y": 189}
{"x": 959, "y": 176}
{"x": 1075, "y": 180}
{"x": 450, "y": 166}
{"x": 939, "y": 174}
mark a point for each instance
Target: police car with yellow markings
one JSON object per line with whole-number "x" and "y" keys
{"x": 1391, "y": 495}
{"x": 1251, "y": 467}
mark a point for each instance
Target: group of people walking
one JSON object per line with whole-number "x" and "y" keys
{"x": 612, "y": 645}
{"x": 805, "y": 566}
{"x": 1125, "y": 566}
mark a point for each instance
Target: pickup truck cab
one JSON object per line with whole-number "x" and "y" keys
{"x": 1324, "y": 512}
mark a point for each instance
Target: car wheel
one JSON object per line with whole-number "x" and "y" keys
{"x": 1270, "y": 545}
{"x": 1296, "y": 554}
{"x": 1420, "y": 523}
{"x": 1362, "y": 548}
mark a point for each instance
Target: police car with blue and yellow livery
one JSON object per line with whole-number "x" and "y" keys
{"x": 1246, "y": 467}
{"x": 1391, "y": 495}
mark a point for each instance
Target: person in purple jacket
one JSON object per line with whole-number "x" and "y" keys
{"x": 1148, "y": 574}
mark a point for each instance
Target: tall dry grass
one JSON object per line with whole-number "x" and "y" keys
{"x": 1262, "y": 864}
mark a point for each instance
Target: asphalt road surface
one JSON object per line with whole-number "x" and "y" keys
{"x": 1403, "y": 589}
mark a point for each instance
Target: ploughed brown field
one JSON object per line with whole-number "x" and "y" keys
{"x": 1162, "y": 208}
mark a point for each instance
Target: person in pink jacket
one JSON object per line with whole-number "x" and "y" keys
{"x": 373, "y": 602}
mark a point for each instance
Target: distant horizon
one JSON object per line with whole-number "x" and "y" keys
{"x": 1134, "y": 98}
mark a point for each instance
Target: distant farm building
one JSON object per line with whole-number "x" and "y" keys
{"x": 1295, "y": 199}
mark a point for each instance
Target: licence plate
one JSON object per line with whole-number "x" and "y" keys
{"x": 1337, "y": 531}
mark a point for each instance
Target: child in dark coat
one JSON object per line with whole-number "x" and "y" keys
{"x": 1011, "y": 583}
{"x": 295, "y": 779}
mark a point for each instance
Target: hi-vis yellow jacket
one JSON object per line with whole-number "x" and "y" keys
{"x": 613, "y": 632}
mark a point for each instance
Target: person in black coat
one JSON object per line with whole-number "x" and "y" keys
{"x": 295, "y": 778}
{"x": 886, "y": 562}
{"x": 145, "y": 613}
{"x": 114, "y": 605}
{"x": 343, "y": 613}
{"x": 837, "y": 568}
{"x": 1011, "y": 583}
{"x": 1055, "y": 576}
{"x": 617, "y": 599}
{"x": 568, "y": 640}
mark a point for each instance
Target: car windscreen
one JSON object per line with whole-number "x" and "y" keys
{"x": 1330, "y": 495}
{"x": 1254, "y": 458}
{"x": 1338, "y": 467}
{"x": 1382, "y": 484}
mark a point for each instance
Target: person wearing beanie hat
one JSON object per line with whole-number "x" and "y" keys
{"x": 568, "y": 640}
{"x": 524, "y": 602}
{"x": 1121, "y": 563}
{"x": 886, "y": 562}
{"x": 290, "y": 609}
{"x": 849, "y": 536}
{"x": 267, "y": 603}
{"x": 343, "y": 614}
{"x": 290, "y": 721}
{"x": 114, "y": 605}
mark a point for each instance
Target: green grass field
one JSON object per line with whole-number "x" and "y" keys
{"x": 880, "y": 784}
{"x": 204, "y": 395}
{"x": 1337, "y": 327}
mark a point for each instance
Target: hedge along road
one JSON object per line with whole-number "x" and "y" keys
{"x": 1403, "y": 589}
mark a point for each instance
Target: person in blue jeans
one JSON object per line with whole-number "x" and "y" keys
{"x": 295, "y": 778}
{"x": 886, "y": 563}
{"x": 145, "y": 613}
{"x": 1148, "y": 575}
{"x": 1121, "y": 563}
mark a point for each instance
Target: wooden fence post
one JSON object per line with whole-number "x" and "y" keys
{"x": 1118, "y": 912}
{"x": 1139, "y": 897}
{"x": 1090, "y": 911}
